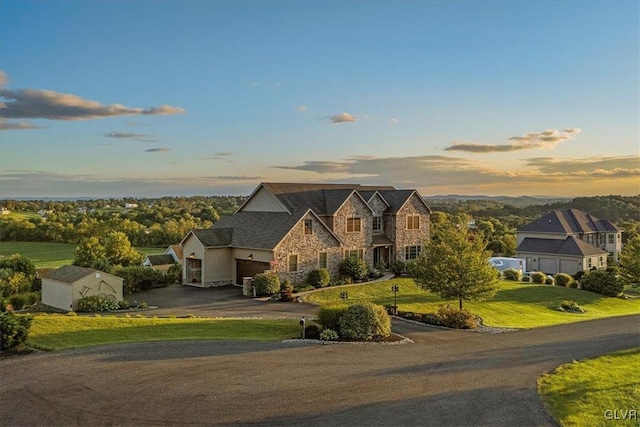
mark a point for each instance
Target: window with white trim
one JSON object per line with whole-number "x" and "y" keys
{"x": 611, "y": 238}
{"x": 412, "y": 252}
{"x": 322, "y": 260}
{"x": 376, "y": 223}
{"x": 308, "y": 226}
{"x": 354, "y": 253}
{"x": 354, "y": 225}
{"x": 413, "y": 222}
{"x": 293, "y": 263}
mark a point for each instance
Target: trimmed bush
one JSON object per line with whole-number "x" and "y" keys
{"x": 512, "y": 274}
{"x": 398, "y": 267}
{"x": 174, "y": 274}
{"x": 602, "y": 282}
{"x": 364, "y": 321}
{"x": 19, "y": 301}
{"x": 312, "y": 332}
{"x": 571, "y": 306}
{"x": 123, "y": 305}
{"x": 286, "y": 285}
{"x": 526, "y": 279}
{"x": 266, "y": 284}
{"x": 538, "y": 277}
{"x": 97, "y": 303}
{"x": 549, "y": 281}
{"x": 563, "y": 279}
{"x": 329, "y": 335}
{"x": 13, "y": 330}
{"x": 458, "y": 319}
{"x": 355, "y": 268}
{"x": 329, "y": 317}
{"x": 138, "y": 279}
{"x": 319, "y": 278}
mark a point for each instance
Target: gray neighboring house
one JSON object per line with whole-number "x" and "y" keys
{"x": 64, "y": 287}
{"x": 568, "y": 241}
{"x": 163, "y": 262}
{"x": 291, "y": 229}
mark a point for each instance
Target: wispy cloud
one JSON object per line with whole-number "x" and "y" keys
{"x": 532, "y": 140}
{"x": 47, "y": 104}
{"x": 302, "y": 108}
{"x": 223, "y": 155}
{"x": 4, "y": 79}
{"x": 602, "y": 166}
{"x": 131, "y": 136}
{"x": 393, "y": 120}
{"x": 341, "y": 118}
{"x": 157, "y": 150}
{"x": 234, "y": 178}
{"x": 14, "y": 125}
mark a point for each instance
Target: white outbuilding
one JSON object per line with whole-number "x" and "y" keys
{"x": 63, "y": 288}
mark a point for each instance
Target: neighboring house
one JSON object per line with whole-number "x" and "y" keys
{"x": 162, "y": 262}
{"x": 64, "y": 287}
{"x": 176, "y": 252}
{"x": 130, "y": 205}
{"x": 568, "y": 241}
{"x": 4, "y": 211}
{"x": 291, "y": 229}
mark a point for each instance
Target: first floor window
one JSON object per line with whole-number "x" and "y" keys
{"x": 293, "y": 263}
{"x": 589, "y": 263}
{"x": 354, "y": 253}
{"x": 601, "y": 261}
{"x": 412, "y": 252}
{"x": 322, "y": 260}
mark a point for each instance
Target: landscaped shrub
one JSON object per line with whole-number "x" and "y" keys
{"x": 549, "y": 281}
{"x": 138, "y": 279}
{"x": 329, "y": 317}
{"x": 602, "y": 282}
{"x": 365, "y": 321}
{"x": 286, "y": 285}
{"x": 174, "y": 274}
{"x": 526, "y": 279}
{"x": 329, "y": 335}
{"x": 302, "y": 287}
{"x": 312, "y": 332}
{"x": 538, "y": 277}
{"x": 454, "y": 318}
{"x": 354, "y": 268}
{"x": 563, "y": 279}
{"x": 13, "y": 330}
{"x": 266, "y": 284}
{"x": 25, "y": 299}
{"x": 96, "y": 303}
{"x": 123, "y": 305}
{"x": 578, "y": 275}
{"x": 286, "y": 291}
{"x": 319, "y": 278}
{"x": 398, "y": 267}
{"x": 512, "y": 274}
{"x": 571, "y": 306}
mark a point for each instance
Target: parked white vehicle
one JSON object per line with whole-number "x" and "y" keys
{"x": 502, "y": 264}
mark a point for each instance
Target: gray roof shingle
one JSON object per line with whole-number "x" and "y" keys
{"x": 163, "y": 259}
{"x": 70, "y": 273}
{"x": 214, "y": 237}
{"x": 569, "y": 221}
{"x": 569, "y": 246}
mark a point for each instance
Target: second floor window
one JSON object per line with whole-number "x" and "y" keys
{"x": 354, "y": 225}
{"x": 377, "y": 223}
{"x": 308, "y": 226}
{"x": 611, "y": 237}
{"x": 413, "y": 222}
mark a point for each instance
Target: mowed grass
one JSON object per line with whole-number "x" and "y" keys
{"x": 516, "y": 305}
{"x": 579, "y": 393}
{"x": 53, "y": 255}
{"x": 57, "y": 332}
{"x": 22, "y": 215}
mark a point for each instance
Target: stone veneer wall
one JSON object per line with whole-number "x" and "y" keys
{"x": 405, "y": 237}
{"x": 307, "y": 247}
{"x": 379, "y": 206}
{"x": 355, "y": 207}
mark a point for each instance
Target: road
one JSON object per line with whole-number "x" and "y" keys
{"x": 446, "y": 378}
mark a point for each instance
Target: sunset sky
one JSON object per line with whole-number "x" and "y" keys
{"x": 145, "y": 99}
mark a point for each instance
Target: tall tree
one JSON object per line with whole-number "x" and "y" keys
{"x": 454, "y": 264}
{"x": 630, "y": 261}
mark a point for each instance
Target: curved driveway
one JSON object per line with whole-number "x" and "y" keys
{"x": 447, "y": 377}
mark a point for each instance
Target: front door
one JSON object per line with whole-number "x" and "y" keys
{"x": 381, "y": 256}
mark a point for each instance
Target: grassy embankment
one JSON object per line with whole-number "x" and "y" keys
{"x": 516, "y": 305}
{"x": 53, "y": 255}
{"x": 586, "y": 393}
{"x": 57, "y": 332}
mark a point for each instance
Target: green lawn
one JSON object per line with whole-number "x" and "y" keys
{"x": 581, "y": 393}
{"x": 22, "y": 215}
{"x": 57, "y": 332}
{"x": 516, "y": 305}
{"x": 53, "y": 255}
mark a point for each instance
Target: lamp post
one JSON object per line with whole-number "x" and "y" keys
{"x": 395, "y": 290}
{"x": 344, "y": 296}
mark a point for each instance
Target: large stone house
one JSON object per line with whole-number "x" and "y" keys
{"x": 291, "y": 229}
{"x": 568, "y": 241}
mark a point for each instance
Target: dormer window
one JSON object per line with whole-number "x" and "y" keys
{"x": 308, "y": 227}
{"x": 354, "y": 225}
{"x": 413, "y": 222}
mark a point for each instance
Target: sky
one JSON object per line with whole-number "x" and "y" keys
{"x": 168, "y": 98}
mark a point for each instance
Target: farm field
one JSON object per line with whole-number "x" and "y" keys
{"x": 516, "y": 305}
{"x": 52, "y": 255}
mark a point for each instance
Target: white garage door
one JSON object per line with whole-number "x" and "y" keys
{"x": 548, "y": 265}
{"x": 569, "y": 266}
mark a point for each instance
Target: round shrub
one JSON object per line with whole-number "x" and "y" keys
{"x": 526, "y": 279}
{"x": 286, "y": 285}
{"x": 538, "y": 277}
{"x": 398, "y": 267}
{"x": 266, "y": 284}
{"x": 312, "y": 332}
{"x": 96, "y": 303}
{"x": 355, "y": 268}
{"x": 602, "y": 282}
{"x": 563, "y": 279}
{"x": 123, "y": 305}
{"x": 512, "y": 274}
{"x": 13, "y": 330}
{"x": 24, "y": 299}
{"x": 328, "y": 335}
{"x": 454, "y": 318}
{"x": 364, "y": 321}
{"x": 319, "y": 278}
{"x": 571, "y": 306}
{"x": 549, "y": 281}
{"x": 329, "y": 317}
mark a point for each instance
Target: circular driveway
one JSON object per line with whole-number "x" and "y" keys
{"x": 447, "y": 377}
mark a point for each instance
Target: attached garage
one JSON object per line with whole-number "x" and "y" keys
{"x": 548, "y": 265}
{"x": 248, "y": 268}
{"x": 570, "y": 266}
{"x": 561, "y": 256}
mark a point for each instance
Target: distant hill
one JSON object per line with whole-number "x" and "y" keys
{"x": 519, "y": 201}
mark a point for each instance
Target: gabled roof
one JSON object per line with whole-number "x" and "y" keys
{"x": 569, "y": 221}
{"x": 70, "y": 273}
{"x": 210, "y": 237}
{"x": 369, "y": 194}
{"x": 398, "y": 198}
{"x": 177, "y": 249}
{"x": 569, "y": 246}
{"x": 261, "y": 230}
{"x": 163, "y": 259}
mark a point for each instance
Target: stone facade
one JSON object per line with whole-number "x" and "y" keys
{"x": 403, "y": 236}
{"x": 355, "y": 207}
